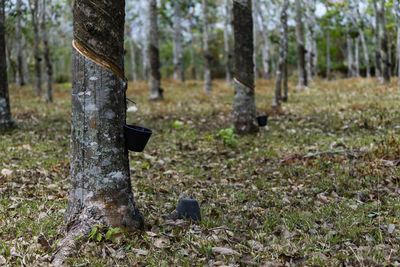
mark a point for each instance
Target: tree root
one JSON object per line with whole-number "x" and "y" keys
{"x": 78, "y": 227}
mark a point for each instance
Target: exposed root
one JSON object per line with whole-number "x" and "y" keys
{"x": 77, "y": 231}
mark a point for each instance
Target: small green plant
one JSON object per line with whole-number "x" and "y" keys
{"x": 177, "y": 124}
{"x": 95, "y": 233}
{"x": 228, "y": 136}
{"x": 110, "y": 234}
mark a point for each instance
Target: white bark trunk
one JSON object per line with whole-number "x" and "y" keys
{"x": 179, "y": 70}
{"x": 227, "y": 47}
{"x": 206, "y": 48}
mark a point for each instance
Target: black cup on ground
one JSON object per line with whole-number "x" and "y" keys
{"x": 189, "y": 209}
{"x": 262, "y": 120}
{"x": 136, "y": 137}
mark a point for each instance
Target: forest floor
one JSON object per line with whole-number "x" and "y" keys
{"x": 265, "y": 199}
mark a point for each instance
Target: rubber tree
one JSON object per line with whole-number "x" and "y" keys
{"x": 384, "y": 41}
{"x": 301, "y": 51}
{"x": 192, "y": 67}
{"x": 397, "y": 11}
{"x": 18, "y": 43}
{"x": 244, "y": 109}
{"x": 310, "y": 23}
{"x": 206, "y": 48}
{"x": 179, "y": 68}
{"x": 156, "y": 92}
{"x": 378, "y": 66}
{"x": 100, "y": 191}
{"x": 227, "y": 47}
{"x": 46, "y": 55}
{"x": 34, "y": 8}
{"x": 6, "y": 120}
{"x": 282, "y": 67}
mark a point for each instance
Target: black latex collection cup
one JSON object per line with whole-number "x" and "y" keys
{"x": 136, "y": 137}
{"x": 262, "y": 120}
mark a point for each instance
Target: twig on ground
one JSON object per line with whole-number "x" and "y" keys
{"x": 332, "y": 152}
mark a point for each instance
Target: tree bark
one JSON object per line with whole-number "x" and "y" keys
{"x": 133, "y": 58}
{"x": 357, "y": 57}
{"x": 46, "y": 55}
{"x": 20, "y": 72}
{"x": 244, "y": 109}
{"x": 100, "y": 190}
{"x": 365, "y": 51}
{"x": 6, "y": 120}
{"x": 286, "y": 52}
{"x": 266, "y": 43}
{"x": 328, "y": 53}
{"x": 384, "y": 43}
{"x": 282, "y": 56}
{"x": 378, "y": 62}
{"x": 300, "y": 47}
{"x": 397, "y": 11}
{"x": 206, "y": 48}
{"x": 179, "y": 68}
{"x": 156, "y": 93}
{"x": 310, "y": 39}
{"x": 227, "y": 47}
{"x": 34, "y": 7}
{"x": 192, "y": 47}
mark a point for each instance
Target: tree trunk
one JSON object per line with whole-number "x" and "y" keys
{"x": 357, "y": 58}
{"x": 284, "y": 19}
{"x": 100, "y": 190}
{"x": 227, "y": 47}
{"x": 156, "y": 93}
{"x": 377, "y": 42}
{"x": 192, "y": 48}
{"x": 20, "y": 72}
{"x": 365, "y": 51}
{"x": 384, "y": 43}
{"x": 46, "y": 55}
{"x": 133, "y": 59}
{"x": 300, "y": 47}
{"x": 34, "y": 7}
{"x": 282, "y": 57}
{"x": 397, "y": 11}
{"x": 328, "y": 53}
{"x": 179, "y": 68}
{"x": 350, "y": 62}
{"x": 206, "y": 48}
{"x": 145, "y": 61}
{"x": 244, "y": 109}
{"x": 266, "y": 44}
{"x": 6, "y": 120}
{"x": 310, "y": 36}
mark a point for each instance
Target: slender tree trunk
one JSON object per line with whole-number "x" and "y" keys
{"x": 179, "y": 68}
{"x": 34, "y": 7}
{"x": 328, "y": 53}
{"x": 20, "y": 73}
{"x": 282, "y": 57}
{"x": 244, "y": 109}
{"x": 357, "y": 57}
{"x": 350, "y": 62}
{"x": 156, "y": 93}
{"x": 300, "y": 47}
{"x": 100, "y": 181}
{"x": 365, "y": 51}
{"x": 192, "y": 48}
{"x": 266, "y": 44}
{"x": 227, "y": 47}
{"x": 286, "y": 50}
{"x": 397, "y": 11}
{"x": 384, "y": 43}
{"x": 310, "y": 35}
{"x": 145, "y": 61}
{"x": 133, "y": 58}
{"x": 46, "y": 55}
{"x": 377, "y": 42}
{"x": 6, "y": 120}
{"x": 206, "y": 48}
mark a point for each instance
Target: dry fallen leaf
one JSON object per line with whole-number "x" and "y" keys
{"x": 6, "y": 172}
{"x": 224, "y": 251}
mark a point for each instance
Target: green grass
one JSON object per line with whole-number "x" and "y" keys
{"x": 258, "y": 197}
